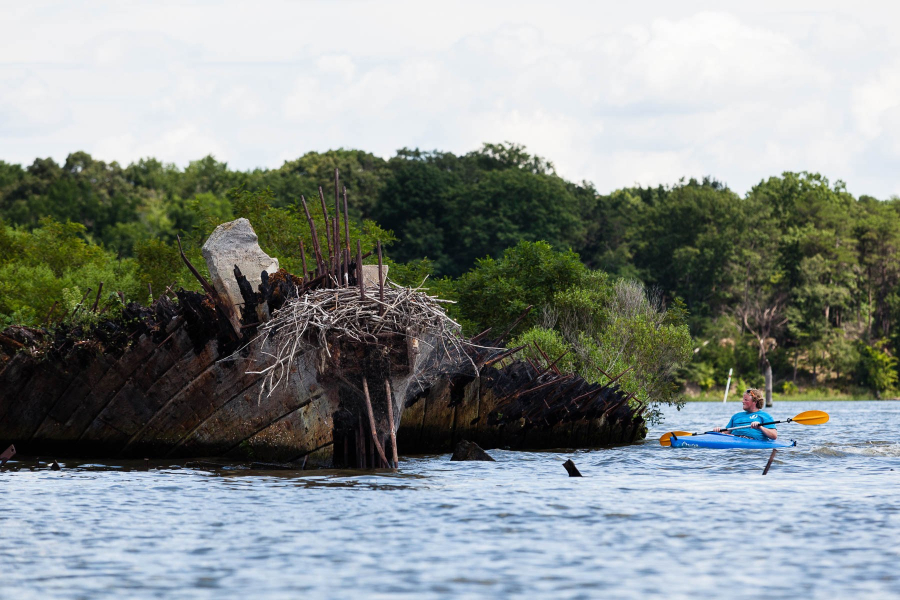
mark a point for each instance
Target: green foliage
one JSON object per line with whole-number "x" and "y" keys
{"x": 496, "y": 292}
{"x": 552, "y": 344}
{"x": 51, "y": 264}
{"x": 609, "y": 327}
{"x": 822, "y": 266}
{"x": 455, "y": 210}
{"x": 789, "y": 388}
{"x": 877, "y": 369}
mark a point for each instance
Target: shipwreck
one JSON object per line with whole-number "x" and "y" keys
{"x": 337, "y": 367}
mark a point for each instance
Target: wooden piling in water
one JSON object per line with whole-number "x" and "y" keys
{"x": 390, "y": 412}
{"x": 771, "y": 458}
{"x": 372, "y": 421}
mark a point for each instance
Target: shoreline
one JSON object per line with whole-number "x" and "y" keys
{"x": 795, "y": 398}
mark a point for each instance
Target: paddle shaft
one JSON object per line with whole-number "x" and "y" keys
{"x": 736, "y": 428}
{"x": 761, "y": 425}
{"x": 810, "y": 417}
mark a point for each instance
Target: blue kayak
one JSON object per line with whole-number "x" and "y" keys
{"x": 722, "y": 440}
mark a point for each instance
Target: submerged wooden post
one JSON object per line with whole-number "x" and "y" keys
{"x": 372, "y": 421}
{"x": 7, "y": 454}
{"x": 771, "y": 458}
{"x": 571, "y": 469}
{"x": 390, "y": 411}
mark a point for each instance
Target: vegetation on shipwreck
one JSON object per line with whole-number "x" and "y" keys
{"x": 317, "y": 369}
{"x": 311, "y": 369}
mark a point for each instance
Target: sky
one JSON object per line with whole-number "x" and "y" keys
{"x": 614, "y": 95}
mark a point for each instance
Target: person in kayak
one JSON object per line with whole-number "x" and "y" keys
{"x": 752, "y": 415}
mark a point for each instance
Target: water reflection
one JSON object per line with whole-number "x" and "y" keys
{"x": 644, "y": 520}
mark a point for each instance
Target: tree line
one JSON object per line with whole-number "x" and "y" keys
{"x": 796, "y": 277}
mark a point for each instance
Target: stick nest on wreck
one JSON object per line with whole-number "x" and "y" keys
{"x": 311, "y": 319}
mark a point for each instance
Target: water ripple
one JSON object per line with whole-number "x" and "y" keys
{"x": 644, "y": 521}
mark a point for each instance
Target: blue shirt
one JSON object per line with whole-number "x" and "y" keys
{"x": 745, "y": 418}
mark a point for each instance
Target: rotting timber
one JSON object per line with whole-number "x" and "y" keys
{"x": 335, "y": 368}
{"x": 311, "y": 370}
{"x": 520, "y": 406}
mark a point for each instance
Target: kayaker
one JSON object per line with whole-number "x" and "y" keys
{"x": 753, "y": 415}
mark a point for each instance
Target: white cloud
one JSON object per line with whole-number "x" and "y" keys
{"x": 647, "y": 92}
{"x": 29, "y": 106}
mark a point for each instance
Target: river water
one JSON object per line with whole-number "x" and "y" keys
{"x": 644, "y": 521}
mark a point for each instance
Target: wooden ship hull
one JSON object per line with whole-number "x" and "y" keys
{"x": 519, "y": 406}
{"x": 177, "y": 388}
{"x": 324, "y": 370}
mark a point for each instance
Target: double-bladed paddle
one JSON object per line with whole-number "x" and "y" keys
{"x": 809, "y": 417}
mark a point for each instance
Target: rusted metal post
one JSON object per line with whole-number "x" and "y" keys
{"x": 337, "y": 207}
{"x": 359, "y": 271}
{"x": 223, "y": 304}
{"x": 337, "y": 228}
{"x": 303, "y": 260}
{"x": 516, "y": 322}
{"x": 97, "y": 300}
{"x": 372, "y": 421}
{"x": 315, "y": 238}
{"x": 346, "y": 222}
{"x": 380, "y": 281}
{"x": 328, "y": 232}
{"x": 390, "y": 411}
{"x": 616, "y": 378}
{"x": 203, "y": 282}
{"x": 77, "y": 306}
{"x": 332, "y": 258}
{"x": 52, "y": 308}
{"x": 346, "y": 254}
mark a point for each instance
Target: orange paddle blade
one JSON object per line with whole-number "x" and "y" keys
{"x": 811, "y": 417}
{"x": 666, "y": 439}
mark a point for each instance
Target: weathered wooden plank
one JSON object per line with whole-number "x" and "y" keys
{"x": 168, "y": 394}
{"x": 53, "y": 428}
{"x": 15, "y": 377}
{"x": 134, "y": 404}
{"x": 411, "y": 424}
{"x": 107, "y": 387}
{"x": 320, "y": 458}
{"x": 291, "y": 437}
{"x": 246, "y": 414}
{"x": 27, "y": 409}
{"x": 192, "y": 405}
{"x": 466, "y": 413}
{"x": 437, "y": 423}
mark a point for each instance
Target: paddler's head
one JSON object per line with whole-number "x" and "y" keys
{"x": 753, "y": 400}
